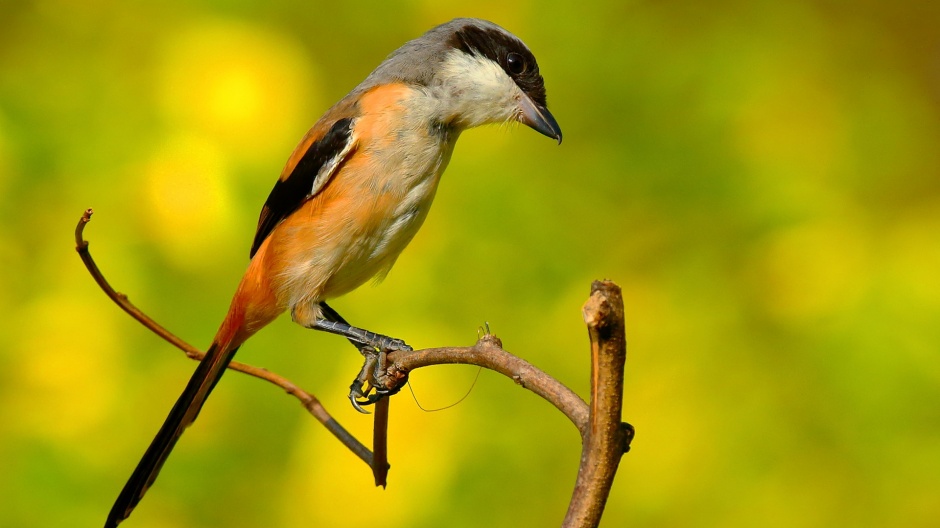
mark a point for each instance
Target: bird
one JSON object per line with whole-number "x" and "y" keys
{"x": 353, "y": 194}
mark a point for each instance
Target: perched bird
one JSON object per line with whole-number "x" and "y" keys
{"x": 354, "y": 193}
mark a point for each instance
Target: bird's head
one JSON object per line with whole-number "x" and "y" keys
{"x": 479, "y": 72}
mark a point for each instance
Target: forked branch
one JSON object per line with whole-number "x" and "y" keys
{"x": 604, "y": 437}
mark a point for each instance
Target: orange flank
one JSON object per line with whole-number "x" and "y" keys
{"x": 254, "y": 304}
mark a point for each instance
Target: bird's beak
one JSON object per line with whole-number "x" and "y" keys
{"x": 538, "y": 118}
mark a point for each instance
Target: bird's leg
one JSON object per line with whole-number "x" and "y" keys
{"x": 360, "y": 335}
{"x": 374, "y": 348}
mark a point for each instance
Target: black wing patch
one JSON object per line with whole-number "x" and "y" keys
{"x": 309, "y": 176}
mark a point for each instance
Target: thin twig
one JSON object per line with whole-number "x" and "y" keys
{"x": 309, "y": 401}
{"x": 380, "y": 464}
{"x": 488, "y": 353}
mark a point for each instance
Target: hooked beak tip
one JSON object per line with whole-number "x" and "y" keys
{"x": 538, "y": 118}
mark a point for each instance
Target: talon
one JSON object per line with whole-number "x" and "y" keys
{"x": 356, "y": 405}
{"x": 356, "y": 392}
{"x": 371, "y": 384}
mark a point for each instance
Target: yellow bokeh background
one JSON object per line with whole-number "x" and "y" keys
{"x": 762, "y": 179}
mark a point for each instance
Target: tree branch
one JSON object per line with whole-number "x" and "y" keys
{"x": 309, "y": 401}
{"x": 607, "y": 438}
{"x": 604, "y": 437}
{"x": 488, "y": 353}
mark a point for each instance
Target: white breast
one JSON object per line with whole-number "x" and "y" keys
{"x": 405, "y": 174}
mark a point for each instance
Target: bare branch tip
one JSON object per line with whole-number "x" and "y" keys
{"x": 489, "y": 340}
{"x": 80, "y": 244}
{"x": 606, "y": 286}
{"x": 601, "y": 304}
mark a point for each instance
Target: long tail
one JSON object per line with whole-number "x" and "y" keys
{"x": 253, "y": 306}
{"x": 184, "y": 412}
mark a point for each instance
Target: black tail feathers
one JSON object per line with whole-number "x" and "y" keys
{"x": 184, "y": 412}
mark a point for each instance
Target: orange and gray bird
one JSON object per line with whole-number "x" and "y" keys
{"x": 354, "y": 193}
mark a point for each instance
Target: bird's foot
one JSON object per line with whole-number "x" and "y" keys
{"x": 374, "y": 382}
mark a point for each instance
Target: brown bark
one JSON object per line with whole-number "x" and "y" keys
{"x": 604, "y": 437}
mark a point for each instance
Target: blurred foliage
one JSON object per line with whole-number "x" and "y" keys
{"x": 760, "y": 177}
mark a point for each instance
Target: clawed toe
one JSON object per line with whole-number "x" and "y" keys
{"x": 358, "y": 404}
{"x": 373, "y": 382}
{"x": 370, "y": 396}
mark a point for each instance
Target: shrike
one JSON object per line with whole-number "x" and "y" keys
{"x": 354, "y": 193}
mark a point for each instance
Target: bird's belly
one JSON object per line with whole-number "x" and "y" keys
{"x": 384, "y": 229}
{"x": 356, "y": 228}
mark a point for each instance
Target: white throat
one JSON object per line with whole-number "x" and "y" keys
{"x": 472, "y": 90}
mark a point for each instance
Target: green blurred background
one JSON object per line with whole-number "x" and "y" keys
{"x": 761, "y": 178}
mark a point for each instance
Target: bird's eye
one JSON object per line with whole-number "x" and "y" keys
{"x": 515, "y": 63}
